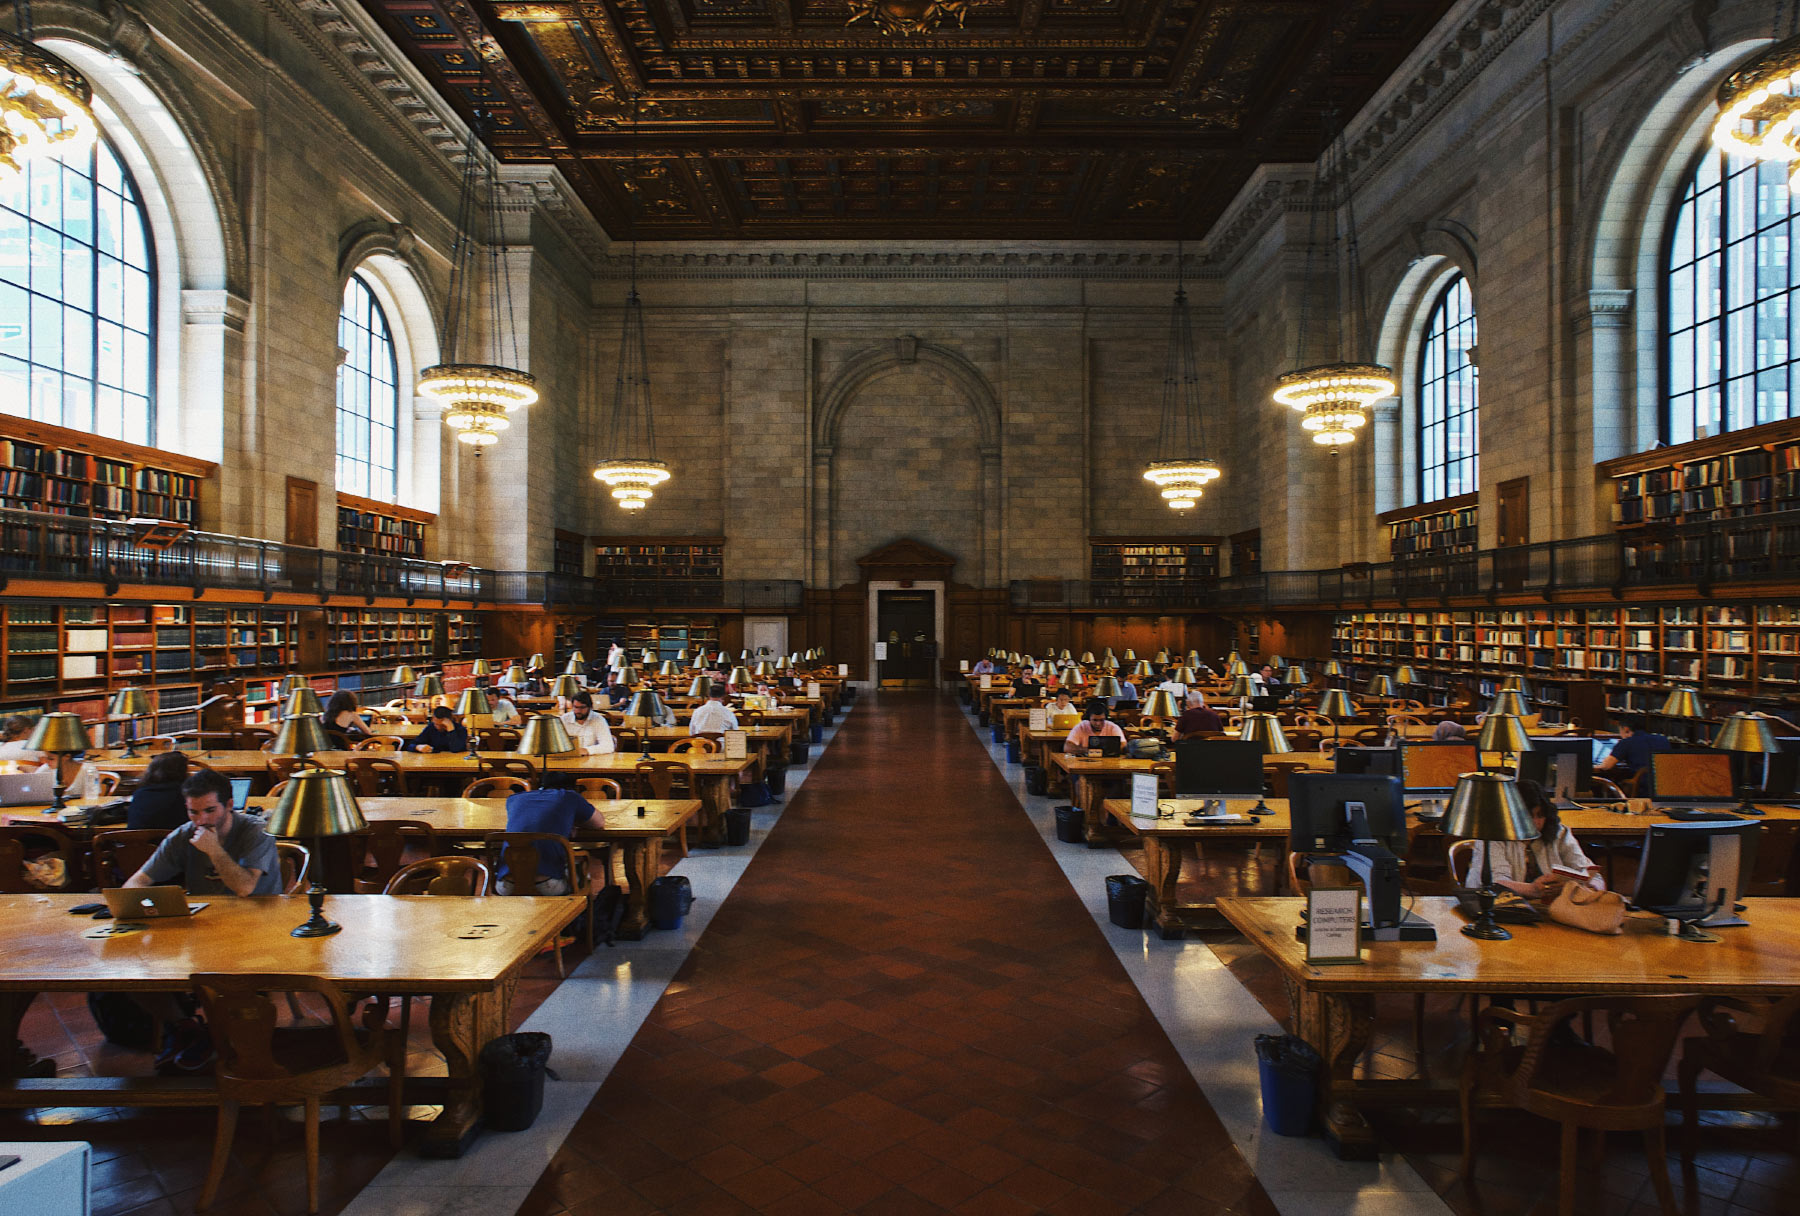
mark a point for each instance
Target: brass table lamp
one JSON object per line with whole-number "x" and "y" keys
{"x": 317, "y": 803}
{"x": 741, "y": 679}
{"x": 544, "y": 736}
{"x": 291, "y": 682}
{"x": 1160, "y": 706}
{"x": 1379, "y": 686}
{"x": 59, "y": 734}
{"x": 481, "y": 669}
{"x": 641, "y": 712}
{"x": 566, "y": 686}
{"x": 1502, "y": 733}
{"x": 473, "y": 703}
{"x": 573, "y": 667}
{"x": 1508, "y": 702}
{"x": 303, "y": 701}
{"x": 1488, "y": 807}
{"x": 1748, "y": 734}
{"x": 1130, "y": 655}
{"x": 1107, "y": 687}
{"x": 1241, "y": 687}
{"x": 699, "y": 687}
{"x": 1140, "y": 670}
{"x": 1334, "y": 670}
{"x": 1296, "y": 677}
{"x": 1335, "y": 703}
{"x": 300, "y": 735}
{"x": 1515, "y": 684}
{"x": 1266, "y": 730}
{"x": 1405, "y": 676}
{"x": 1236, "y": 667}
{"x": 515, "y": 676}
{"x": 575, "y": 656}
{"x": 130, "y": 703}
{"x": 535, "y": 662}
{"x": 1087, "y": 658}
{"x": 429, "y": 686}
{"x": 1185, "y": 675}
{"x": 404, "y": 674}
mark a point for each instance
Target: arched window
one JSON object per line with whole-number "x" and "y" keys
{"x": 1449, "y": 396}
{"x": 77, "y": 288}
{"x": 1731, "y": 283}
{"x": 368, "y": 397}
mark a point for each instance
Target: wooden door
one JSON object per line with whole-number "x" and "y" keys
{"x": 302, "y": 512}
{"x": 907, "y": 623}
{"x": 1514, "y": 532}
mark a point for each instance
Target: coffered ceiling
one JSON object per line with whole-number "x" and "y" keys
{"x": 826, "y": 119}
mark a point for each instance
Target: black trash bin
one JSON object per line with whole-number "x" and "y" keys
{"x": 1290, "y": 1082}
{"x": 670, "y": 898}
{"x": 512, "y": 1080}
{"x": 1071, "y": 825}
{"x": 737, "y": 825}
{"x": 776, "y": 778}
{"x": 1125, "y": 896}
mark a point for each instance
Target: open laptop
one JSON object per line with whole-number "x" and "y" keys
{"x": 240, "y": 792}
{"x": 26, "y": 789}
{"x": 1063, "y": 722}
{"x": 1108, "y": 746}
{"x": 144, "y": 903}
{"x": 1692, "y": 778}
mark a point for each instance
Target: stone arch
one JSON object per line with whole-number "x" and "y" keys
{"x": 1399, "y": 344}
{"x": 879, "y": 361}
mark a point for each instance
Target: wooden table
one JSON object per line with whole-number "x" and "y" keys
{"x": 1087, "y": 781}
{"x": 397, "y": 945}
{"x": 1333, "y": 1007}
{"x": 1166, "y": 838}
{"x": 231, "y": 763}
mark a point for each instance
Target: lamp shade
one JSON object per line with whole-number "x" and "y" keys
{"x": 1131, "y": 656}
{"x": 627, "y": 677}
{"x": 1241, "y": 686}
{"x": 300, "y": 735}
{"x": 1508, "y": 703}
{"x": 481, "y": 667}
{"x": 699, "y": 663}
{"x": 1162, "y": 658}
{"x": 1193, "y": 658}
{"x": 1277, "y": 662}
{"x": 1107, "y": 686}
{"x": 645, "y": 704}
{"x": 544, "y": 735}
{"x": 1502, "y": 733}
{"x": 781, "y": 664}
{"x": 1746, "y": 733}
{"x": 1266, "y": 730}
{"x": 290, "y": 683}
{"x": 404, "y": 674}
{"x": 316, "y": 802}
{"x": 764, "y": 669}
{"x": 515, "y": 675}
{"x": 1515, "y": 684}
{"x": 565, "y": 686}
{"x": 473, "y": 701}
{"x": 744, "y": 658}
{"x": 1336, "y": 703}
{"x": 1071, "y": 677}
{"x": 699, "y": 686}
{"x": 1334, "y": 669}
{"x": 1296, "y": 676}
{"x": 1488, "y": 806}
{"x": 59, "y": 734}
{"x": 1160, "y": 704}
{"x": 1108, "y": 653}
{"x": 1046, "y": 670}
{"x": 575, "y": 656}
{"x": 1140, "y": 670}
{"x": 681, "y": 656}
{"x": 1237, "y": 667}
{"x": 1185, "y": 675}
{"x": 535, "y": 663}
{"x": 740, "y": 677}
{"x": 429, "y": 686}
{"x": 302, "y": 701}
{"x": 668, "y": 668}
{"x": 1087, "y": 658}
{"x": 129, "y": 702}
{"x": 1064, "y": 657}
{"x": 1685, "y": 703}
{"x": 1379, "y": 686}
{"x": 1405, "y": 676}
{"x": 574, "y": 667}
{"x": 1233, "y": 657}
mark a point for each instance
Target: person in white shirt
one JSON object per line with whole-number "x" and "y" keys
{"x": 505, "y": 712}
{"x": 587, "y": 729}
{"x": 13, "y": 733}
{"x": 713, "y": 716}
{"x": 1173, "y": 687}
{"x": 613, "y": 654}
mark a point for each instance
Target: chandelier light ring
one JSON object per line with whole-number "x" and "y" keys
{"x": 45, "y": 104}
{"x": 631, "y": 481}
{"x": 1362, "y": 383}
{"x": 503, "y": 387}
{"x": 1759, "y": 106}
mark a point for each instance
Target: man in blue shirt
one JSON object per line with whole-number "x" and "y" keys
{"x": 217, "y": 851}
{"x": 1631, "y": 755}
{"x": 442, "y": 734}
{"x": 555, "y": 809}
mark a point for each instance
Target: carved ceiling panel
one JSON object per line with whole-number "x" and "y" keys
{"x": 831, "y": 119}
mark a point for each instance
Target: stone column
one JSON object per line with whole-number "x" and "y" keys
{"x": 993, "y": 533}
{"x": 821, "y": 518}
{"x": 1604, "y": 377}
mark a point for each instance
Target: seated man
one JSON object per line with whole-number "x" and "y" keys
{"x": 554, "y": 808}
{"x": 1095, "y": 725}
{"x": 1631, "y": 755}
{"x": 442, "y": 734}
{"x": 1198, "y": 718}
{"x": 587, "y": 729}
{"x": 713, "y": 716}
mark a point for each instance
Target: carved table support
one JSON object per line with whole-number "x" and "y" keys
{"x": 1339, "y": 1027}
{"x": 461, "y": 1025}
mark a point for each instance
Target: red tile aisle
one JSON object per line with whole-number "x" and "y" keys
{"x": 902, "y": 1007}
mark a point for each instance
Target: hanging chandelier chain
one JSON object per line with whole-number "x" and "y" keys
{"x": 457, "y": 302}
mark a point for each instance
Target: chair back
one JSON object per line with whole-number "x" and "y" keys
{"x": 251, "y": 738}
{"x": 454, "y": 875}
{"x": 495, "y": 787}
{"x": 598, "y": 787}
{"x": 627, "y": 739}
{"x": 1304, "y": 738}
{"x": 496, "y": 739}
{"x": 749, "y": 717}
{"x": 376, "y": 776}
{"x": 283, "y": 767}
{"x": 664, "y": 777}
{"x": 121, "y": 852}
{"x": 694, "y": 743}
{"x": 518, "y": 853}
{"x": 275, "y": 790}
{"x": 295, "y": 861}
{"x": 379, "y": 743}
{"x": 508, "y": 766}
{"x": 1458, "y": 857}
{"x": 1641, "y": 1031}
{"x": 384, "y": 844}
{"x": 40, "y": 847}
{"x": 242, "y": 1013}
{"x": 109, "y": 784}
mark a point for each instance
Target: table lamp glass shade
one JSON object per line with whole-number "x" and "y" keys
{"x": 701, "y": 687}
{"x": 1266, "y": 730}
{"x": 1237, "y": 667}
{"x": 544, "y": 735}
{"x": 1107, "y": 687}
{"x": 300, "y": 735}
{"x": 1379, "y": 686}
{"x": 290, "y": 683}
{"x": 645, "y": 704}
{"x": 316, "y": 802}
{"x": 481, "y": 667}
{"x": 129, "y": 703}
{"x": 59, "y": 734}
{"x": 1683, "y": 703}
{"x": 1746, "y": 733}
{"x": 473, "y": 701}
{"x": 404, "y": 675}
{"x": 1087, "y": 657}
{"x": 1405, "y": 676}
{"x": 1334, "y": 669}
{"x": 565, "y": 686}
{"x": 740, "y": 677}
{"x": 1502, "y": 733}
{"x": 1241, "y": 686}
{"x": 1336, "y": 703}
{"x": 302, "y": 701}
{"x": 1508, "y": 703}
{"x": 515, "y": 675}
{"x": 535, "y": 663}
{"x": 429, "y": 686}
{"x": 1160, "y": 704}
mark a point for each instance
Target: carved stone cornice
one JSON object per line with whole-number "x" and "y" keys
{"x": 1117, "y": 265}
{"x": 1605, "y": 308}
{"x": 1273, "y": 191}
{"x": 415, "y": 108}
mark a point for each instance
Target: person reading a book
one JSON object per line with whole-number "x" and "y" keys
{"x": 1537, "y": 869}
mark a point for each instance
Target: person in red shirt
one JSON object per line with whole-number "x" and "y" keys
{"x": 1095, "y": 725}
{"x": 1198, "y": 719}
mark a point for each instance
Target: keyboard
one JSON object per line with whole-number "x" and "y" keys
{"x": 1690, "y": 814}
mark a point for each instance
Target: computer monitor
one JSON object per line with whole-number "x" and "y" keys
{"x": 1125, "y": 707}
{"x": 1373, "y": 761}
{"x": 240, "y": 792}
{"x": 1692, "y": 776}
{"x": 1696, "y": 871}
{"x": 1316, "y": 809}
{"x": 1602, "y": 749}
{"x": 1432, "y": 768}
{"x": 1219, "y": 768}
{"x": 1562, "y": 765}
{"x": 1266, "y": 704}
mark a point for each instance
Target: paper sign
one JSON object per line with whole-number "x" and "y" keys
{"x": 963, "y": 666}
{"x": 880, "y": 651}
{"x": 843, "y": 670}
{"x": 987, "y": 681}
{"x": 1143, "y": 795}
{"x": 1040, "y": 719}
{"x": 812, "y": 690}
{"x": 737, "y": 745}
{"x": 1334, "y": 925}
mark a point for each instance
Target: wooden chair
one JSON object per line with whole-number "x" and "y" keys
{"x": 1304, "y": 738}
{"x": 496, "y": 739}
{"x": 261, "y": 1062}
{"x": 295, "y": 861}
{"x": 340, "y": 741}
{"x": 508, "y": 766}
{"x": 495, "y": 787}
{"x": 379, "y": 743}
{"x": 517, "y": 853}
{"x": 1312, "y": 721}
{"x": 456, "y": 875}
{"x": 109, "y": 784}
{"x": 376, "y": 776}
{"x": 283, "y": 767}
{"x": 47, "y": 845}
{"x": 275, "y": 790}
{"x": 1750, "y": 1042}
{"x": 251, "y": 738}
{"x": 384, "y": 845}
{"x": 598, "y": 787}
{"x": 693, "y": 743}
{"x": 121, "y": 852}
{"x": 1578, "y": 1085}
{"x": 1370, "y": 736}
{"x": 626, "y": 739}
{"x": 1401, "y": 721}
{"x": 1458, "y": 859}
{"x": 666, "y": 778}
{"x": 387, "y": 717}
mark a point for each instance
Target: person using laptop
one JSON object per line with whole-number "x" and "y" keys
{"x": 1175, "y": 688}
{"x": 218, "y": 851}
{"x": 157, "y": 801}
{"x": 442, "y": 734}
{"x": 1631, "y": 755}
{"x": 1064, "y": 704}
{"x": 1198, "y": 718}
{"x": 1095, "y": 726}
{"x": 1536, "y": 869}
{"x": 1026, "y": 684}
{"x": 587, "y": 729}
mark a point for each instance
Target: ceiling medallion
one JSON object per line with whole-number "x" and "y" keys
{"x": 904, "y": 18}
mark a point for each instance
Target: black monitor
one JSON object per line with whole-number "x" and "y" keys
{"x": 1266, "y": 704}
{"x": 1433, "y": 768}
{"x": 1562, "y": 765}
{"x": 1218, "y": 768}
{"x": 1373, "y": 761}
{"x": 1125, "y": 707}
{"x": 1696, "y": 871}
{"x": 1316, "y": 806}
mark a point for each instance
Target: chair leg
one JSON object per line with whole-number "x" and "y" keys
{"x": 397, "y": 1089}
{"x": 312, "y": 1156}
{"x": 1689, "y": 1075}
{"x": 1465, "y": 1168}
{"x": 1419, "y": 1030}
{"x": 221, "y": 1154}
{"x": 556, "y": 945}
{"x": 1656, "y": 1151}
{"x": 1571, "y": 1163}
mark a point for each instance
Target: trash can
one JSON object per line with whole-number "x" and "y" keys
{"x": 997, "y": 732}
{"x": 512, "y": 1080}
{"x": 1071, "y": 827}
{"x": 776, "y": 779}
{"x": 754, "y": 794}
{"x": 1013, "y": 756}
{"x": 737, "y": 825}
{"x": 1290, "y": 1082}
{"x": 818, "y": 733}
{"x": 1125, "y": 896}
{"x": 670, "y": 898}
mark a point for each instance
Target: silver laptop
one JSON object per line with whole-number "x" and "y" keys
{"x": 143, "y": 903}
{"x": 27, "y": 789}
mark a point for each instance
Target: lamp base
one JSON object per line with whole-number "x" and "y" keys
{"x": 316, "y": 926}
{"x": 1486, "y": 930}
{"x": 1746, "y": 807}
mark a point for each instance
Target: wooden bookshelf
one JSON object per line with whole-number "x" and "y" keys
{"x": 566, "y": 552}
{"x": 1246, "y": 552}
{"x": 57, "y": 649}
{"x": 66, "y": 472}
{"x": 661, "y": 569}
{"x": 1130, "y": 571}
{"x": 366, "y": 635}
{"x": 381, "y": 528}
{"x": 1431, "y": 530}
{"x": 664, "y": 637}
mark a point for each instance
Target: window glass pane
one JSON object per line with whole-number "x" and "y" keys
{"x": 1448, "y": 396}
{"x": 367, "y": 406}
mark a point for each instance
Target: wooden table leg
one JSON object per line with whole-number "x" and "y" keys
{"x": 12, "y": 1012}
{"x": 1339, "y": 1028}
{"x": 1162, "y": 865}
{"x": 641, "y": 858}
{"x": 715, "y": 799}
{"x": 1089, "y": 792}
{"x": 462, "y": 1024}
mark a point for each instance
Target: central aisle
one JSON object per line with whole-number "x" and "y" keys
{"x": 902, "y": 1007}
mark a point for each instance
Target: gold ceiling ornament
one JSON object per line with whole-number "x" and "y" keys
{"x": 46, "y": 106}
{"x": 906, "y": 18}
{"x": 478, "y": 396}
{"x": 1759, "y": 104}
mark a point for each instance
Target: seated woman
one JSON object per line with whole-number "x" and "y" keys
{"x": 157, "y": 801}
{"x": 341, "y": 716}
{"x": 1537, "y": 868}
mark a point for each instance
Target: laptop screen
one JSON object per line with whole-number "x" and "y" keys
{"x": 240, "y": 792}
{"x": 1603, "y": 748}
{"x": 1691, "y": 776}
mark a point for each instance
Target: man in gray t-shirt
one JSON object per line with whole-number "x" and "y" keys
{"x": 218, "y": 851}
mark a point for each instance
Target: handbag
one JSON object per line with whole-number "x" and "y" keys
{"x": 1584, "y": 908}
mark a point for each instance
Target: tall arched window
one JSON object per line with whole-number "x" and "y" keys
{"x": 368, "y": 397}
{"x": 1731, "y": 282}
{"x": 77, "y": 306}
{"x": 1449, "y": 396}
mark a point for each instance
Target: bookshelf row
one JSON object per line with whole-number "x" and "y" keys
{"x": 664, "y": 638}
{"x": 680, "y": 559}
{"x": 67, "y": 472}
{"x": 367, "y": 635}
{"x": 1444, "y": 529}
{"x": 51, "y": 649}
{"x": 380, "y": 529}
{"x": 1246, "y": 552}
